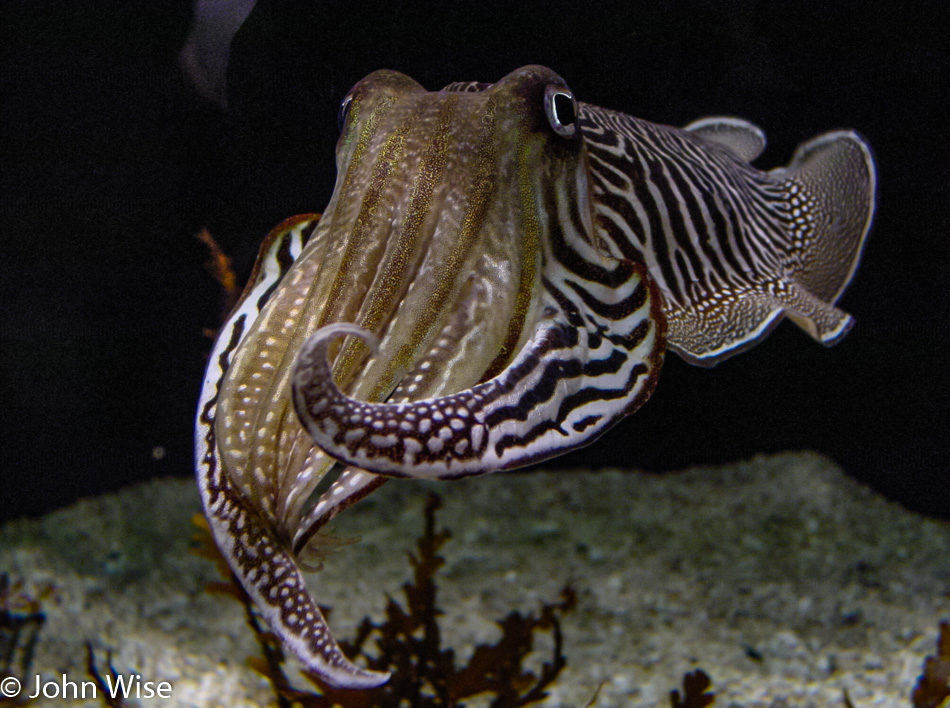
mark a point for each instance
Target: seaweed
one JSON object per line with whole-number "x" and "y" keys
{"x": 933, "y": 686}
{"x": 21, "y": 619}
{"x": 931, "y": 691}
{"x": 221, "y": 268}
{"x": 408, "y": 643}
{"x": 695, "y": 691}
{"x": 103, "y": 688}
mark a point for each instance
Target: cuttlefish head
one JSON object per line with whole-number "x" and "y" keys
{"x": 502, "y": 334}
{"x": 451, "y": 314}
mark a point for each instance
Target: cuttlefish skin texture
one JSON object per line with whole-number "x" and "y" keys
{"x": 495, "y": 281}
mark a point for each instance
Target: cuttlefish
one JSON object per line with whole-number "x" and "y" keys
{"x": 495, "y": 281}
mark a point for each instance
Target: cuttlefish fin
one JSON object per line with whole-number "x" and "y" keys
{"x": 829, "y": 196}
{"x": 833, "y": 177}
{"x": 740, "y": 137}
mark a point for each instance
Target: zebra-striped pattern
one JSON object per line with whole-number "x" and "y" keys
{"x": 593, "y": 359}
{"x": 730, "y": 247}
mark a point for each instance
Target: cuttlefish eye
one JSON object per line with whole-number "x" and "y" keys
{"x": 344, "y": 111}
{"x": 561, "y": 109}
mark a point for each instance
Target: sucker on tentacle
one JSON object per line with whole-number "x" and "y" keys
{"x": 521, "y": 262}
{"x": 558, "y": 393}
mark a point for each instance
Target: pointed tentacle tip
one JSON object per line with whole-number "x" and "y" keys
{"x": 312, "y": 382}
{"x": 327, "y": 333}
{"x": 312, "y": 367}
{"x": 353, "y": 677}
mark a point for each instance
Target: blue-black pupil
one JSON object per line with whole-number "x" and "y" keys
{"x": 564, "y": 109}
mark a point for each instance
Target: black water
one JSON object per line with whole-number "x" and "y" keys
{"x": 111, "y": 164}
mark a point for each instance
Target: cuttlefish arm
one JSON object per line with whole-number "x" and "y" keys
{"x": 246, "y": 537}
{"x": 581, "y": 371}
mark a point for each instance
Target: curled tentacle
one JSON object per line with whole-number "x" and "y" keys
{"x": 567, "y": 386}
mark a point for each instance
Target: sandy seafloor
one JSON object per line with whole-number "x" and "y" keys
{"x": 780, "y": 577}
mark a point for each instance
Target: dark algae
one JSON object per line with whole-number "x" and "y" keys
{"x": 408, "y": 643}
{"x": 696, "y": 694}
{"x": 21, "y": 619}
{"x": 933, "y": 686}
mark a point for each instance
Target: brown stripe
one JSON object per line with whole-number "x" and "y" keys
{"x": 530, "y": 256}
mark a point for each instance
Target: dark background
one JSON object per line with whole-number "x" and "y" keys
{"x": 111, "y": 164}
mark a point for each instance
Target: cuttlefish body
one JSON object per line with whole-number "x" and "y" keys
{"x": 495, "y": 281}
